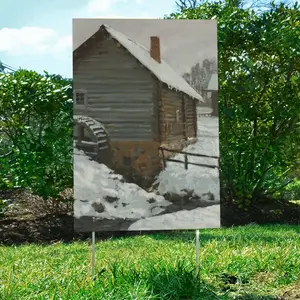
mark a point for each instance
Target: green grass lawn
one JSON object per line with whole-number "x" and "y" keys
{"x": 250, "y": 262}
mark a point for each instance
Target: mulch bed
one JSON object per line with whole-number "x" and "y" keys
{"x": 25, "y": 222}
{"x": 46, "y": 229}
{"x": 265, "y": 212}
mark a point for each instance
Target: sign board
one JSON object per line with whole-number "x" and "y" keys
{"x": 132, "y": 172}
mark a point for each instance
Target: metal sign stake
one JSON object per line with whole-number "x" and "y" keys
{"x": 93, "y": 254}
{"x": 197, "y": 251}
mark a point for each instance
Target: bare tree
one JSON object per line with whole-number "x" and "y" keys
{"x": 187, "y": 77}
{"x": 184, "y": 4}
{"x": 259, "y": 5}
{"x": 1, "y": 67}
{"x": 6, "y": 68}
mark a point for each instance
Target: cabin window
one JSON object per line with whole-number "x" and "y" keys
{"x": 80, "y": 97}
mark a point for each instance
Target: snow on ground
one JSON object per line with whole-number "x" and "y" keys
{"x": 101, "y": 193}
{"x": 202, "y": 180}
{"x": 207, "y": 217}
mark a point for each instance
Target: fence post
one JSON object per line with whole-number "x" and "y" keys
{"x": 185, "y": 161}
{"x": 80, "y": 133}
{"x": 163, "y": 157}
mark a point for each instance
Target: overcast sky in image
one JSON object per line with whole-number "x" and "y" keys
{"x": 183, "y": 42}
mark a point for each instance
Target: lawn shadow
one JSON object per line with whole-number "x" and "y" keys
{"x": 161, "y": 281}
{"x": 178, "y": 284}
{"x": 173, "y": 282}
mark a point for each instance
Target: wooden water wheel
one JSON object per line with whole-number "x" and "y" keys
{"x": 91, "y": 137}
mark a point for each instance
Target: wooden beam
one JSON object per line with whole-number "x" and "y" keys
{"x": 162, "y": 126}
{"x": 195, "y": 117}
{"x": 188, "y": 153}
{"x": 183, "y": 108}
{"x": 159, "y": 112}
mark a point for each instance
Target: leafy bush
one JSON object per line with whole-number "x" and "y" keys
{"x": 291, "y": 191}
{"x": 36, "y": 132}
{"x": 259, "y": 99}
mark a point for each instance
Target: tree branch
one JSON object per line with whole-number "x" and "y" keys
{"x": 185, "y": 4}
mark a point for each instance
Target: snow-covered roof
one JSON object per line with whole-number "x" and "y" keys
{"x": 213, "y": 83}
{"x": 162, "y": 71}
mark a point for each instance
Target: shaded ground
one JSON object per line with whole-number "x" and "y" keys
{"x": 29, "y": 219}
{"x": 45, "y": 229}
{"x": 266, "y": 212}
{"x": 25, "y": 220}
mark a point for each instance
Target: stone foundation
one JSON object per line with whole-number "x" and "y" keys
{"x": 139, "y": 162}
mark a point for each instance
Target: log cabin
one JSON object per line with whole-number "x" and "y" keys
{"x": 140, "y": 100}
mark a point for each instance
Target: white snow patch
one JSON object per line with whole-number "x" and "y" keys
{"x": 202, "y": 180}
{"x": 208, "y": 217}
{"x": 204, "y": 110}
{"x": 94, "y": 183}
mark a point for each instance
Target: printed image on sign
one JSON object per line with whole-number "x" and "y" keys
{"x": 146, "y": 127}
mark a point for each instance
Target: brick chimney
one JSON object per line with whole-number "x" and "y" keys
{"x": 155, "y": 48}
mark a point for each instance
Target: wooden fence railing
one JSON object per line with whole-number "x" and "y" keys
{"x": 186, "y": 162}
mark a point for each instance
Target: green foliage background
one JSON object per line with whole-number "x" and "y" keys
{"x": 36, "y": 132}
{"x": 259, "y": 103}
{"x": 259, "y": 99}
